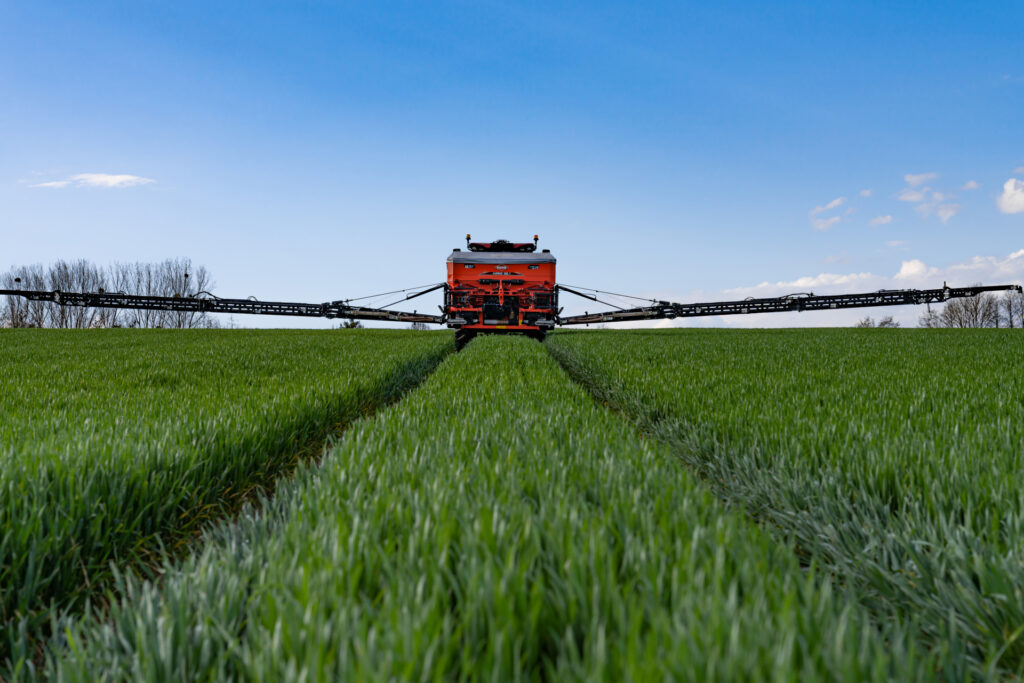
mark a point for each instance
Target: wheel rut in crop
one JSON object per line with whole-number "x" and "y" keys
{"x": 305, "y": 436}
{"x": 904, "y": 553}
{"x": 496, "y": 524}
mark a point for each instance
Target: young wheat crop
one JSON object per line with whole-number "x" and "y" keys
{"x": 495, "y": 524}
{"x": 891, "y": 456}
{"x": 115, "y": 442}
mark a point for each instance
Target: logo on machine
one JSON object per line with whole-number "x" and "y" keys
{"x": 501, "y": 267}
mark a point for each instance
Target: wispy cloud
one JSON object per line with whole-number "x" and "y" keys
{"x": 943, "y": 211}
{"x": 880, "y": 220}
{"x": 928, "y": 201}
{"x": 1012, "y": 198}
{"x": 104, "y": 180}
{"x": 838, "y": 258}
{"x": 971, "y": 185}
{"x": 865, "y": 193}
{"x": 825, "y": 223}
{"x": 909, "y": 194}
{"x": 834, "y": 204}
{"x": 895, "y": 243}
{"x": 1019, "y": 170}
{"x": 947, "y": 211}
{"x": 918, "y": 179}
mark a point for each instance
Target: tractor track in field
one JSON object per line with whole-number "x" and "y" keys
{"x": 852, "y": 540}
{"x": 177, "y": 544}
{"x": 308, "y": 452}
{"x": 687, "y": 454}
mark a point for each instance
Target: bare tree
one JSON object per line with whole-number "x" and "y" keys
{"x": 418, "y": 326}
{"x": 19, "y": 312}
{"x": 981, "y": 310}
{"x": 1011, "y": 309}
{"x": 75, "y": 276}
{"x": 887, "y": 321}
{"x": 171, "y": 278}
{"x": 15, "y": 311}
{"x": 929, "y": 318}
{"x": 179, "y": 279}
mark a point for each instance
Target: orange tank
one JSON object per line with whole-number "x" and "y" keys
{"x": 501, "y": 287}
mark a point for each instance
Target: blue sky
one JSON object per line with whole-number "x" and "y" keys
{"x": 313, "y": 151}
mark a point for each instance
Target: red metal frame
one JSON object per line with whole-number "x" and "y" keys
{"x": 514, "y": 294}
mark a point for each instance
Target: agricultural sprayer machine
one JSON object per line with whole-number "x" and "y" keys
{"x": 505, "y": 287}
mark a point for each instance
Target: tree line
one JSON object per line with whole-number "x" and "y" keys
{"x": 984, "y": 310}
{"x": 172, "y": 277}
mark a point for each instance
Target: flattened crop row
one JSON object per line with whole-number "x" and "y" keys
{"x": 893, "y": 457}
{"x": 112, "y": 442}
{"x": 495, "y": 524}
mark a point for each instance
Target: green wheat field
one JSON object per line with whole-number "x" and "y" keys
{"x": 606, "y": 505}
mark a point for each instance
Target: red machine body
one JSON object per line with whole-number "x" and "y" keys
{"x": 501, "y": 287}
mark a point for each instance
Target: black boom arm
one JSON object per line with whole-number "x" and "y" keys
{"x": 211, "y": 304}
{"x": 792, "y": 302}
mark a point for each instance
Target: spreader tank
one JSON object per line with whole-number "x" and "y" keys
{"x": 501, "y": 286}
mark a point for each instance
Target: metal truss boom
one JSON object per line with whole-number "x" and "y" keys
{"x": 793, "y": 302}
{"x": 331, "y": 309}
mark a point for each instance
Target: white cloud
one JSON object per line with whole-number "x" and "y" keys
{"x": 880, "y": 220}
{"x": 917, "y": 179}
{"x": 971, "y": 185}
{"x": 911, "y": 195}
{"x": 834, "y": 204}
{"x": 865, "y": 193}
{"x": 824, "y": 223}
{"x": 106, "y": 180}
{"x": 947, "y": 211}
{"x": 895, "y": 243}
{"x": 914, "y": 269}
{"x": 938, "y": 196}
{"x": 801, "y": 283}
{"x": 1019, "y": 170}
{"x": 1012, "y": 198}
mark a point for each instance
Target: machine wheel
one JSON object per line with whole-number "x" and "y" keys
{"x": 463, "y": 337}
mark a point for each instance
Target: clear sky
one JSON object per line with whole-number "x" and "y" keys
{"x": 312, "y": 151}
